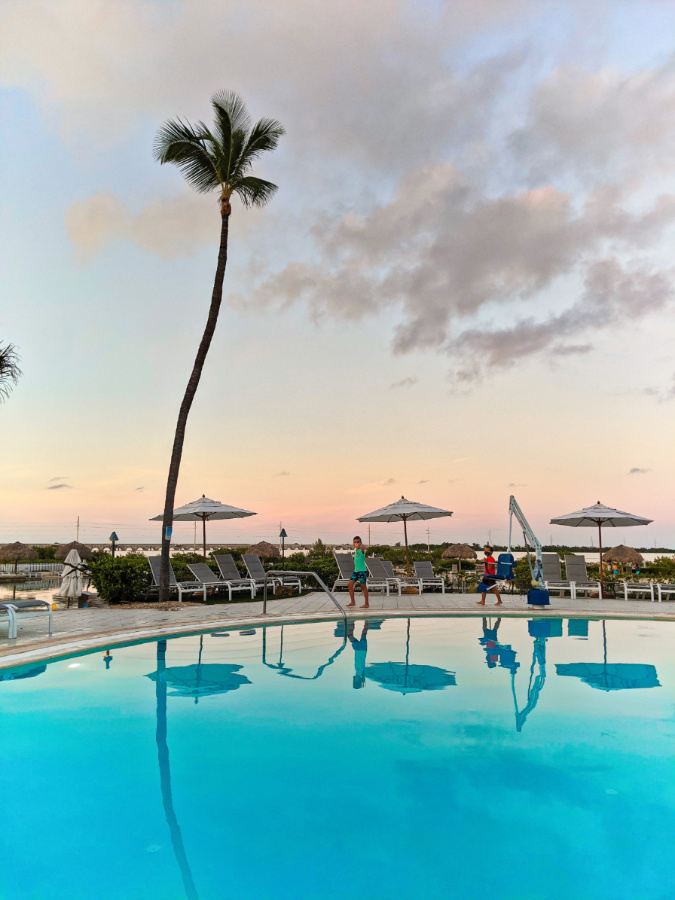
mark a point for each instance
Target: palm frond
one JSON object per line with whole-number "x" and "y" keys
{"x": 264, "y": 136}
{"x": 188, "y": 148}
{"x": 235, "y": 108}
{"x": 253, "y": 191}
{"x": 9, "y": 370}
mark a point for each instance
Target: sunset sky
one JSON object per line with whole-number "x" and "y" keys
{"x": 463, "y": 288}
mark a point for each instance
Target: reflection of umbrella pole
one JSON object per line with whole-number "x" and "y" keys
{"x": 600, "y": 544}
{"x": 165, "y": 776}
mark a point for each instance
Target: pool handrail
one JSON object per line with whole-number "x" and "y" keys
{"x": 271, "y": 573}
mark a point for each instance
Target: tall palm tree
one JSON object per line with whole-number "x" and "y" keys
{"x": 9, "y": 370}
{"x": 212, "y": 160}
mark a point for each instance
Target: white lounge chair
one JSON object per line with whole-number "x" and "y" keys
{"x": 663, "y": 589}
{"x": 425, "y": 573}
{"x": 257, "y": 571}
{"x": 345, "y": 564}
{"x": 638, "y": 587}
{"x": 17, "y": 610}
{"x": 575, "y": 569}
{"x": 183, "y": 587}
{"x": 230, "y": 573}
{"x": 208, "y": 577}
{"x": 553, "y": 580}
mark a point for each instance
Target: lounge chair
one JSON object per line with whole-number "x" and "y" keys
{"x": 257, "y": 571}
{"x": 345, "y": 564}
{"x": 230, "y": 573}
{"x": 17, "y": 610}
{"x": 378, "y": 578}
{"x": 183, "y": 587}
{"x": 553, "y": 580}
{"x": 425, "y": 573}
{"x": 575, "y": 568}
{"x": 662, "y": 589}
{"x": 208, "y": 577}
{"x": 638, "y": 587}
{"x": 406, "y": 580}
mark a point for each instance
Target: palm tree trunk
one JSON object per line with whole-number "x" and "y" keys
{"x": 190, "y": 391}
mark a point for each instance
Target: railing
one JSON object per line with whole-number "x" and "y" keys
{"x": 279, "y": 573}
{"x": 26, "y": 568}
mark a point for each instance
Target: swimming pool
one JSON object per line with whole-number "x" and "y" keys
{"x": 421, "y": 758}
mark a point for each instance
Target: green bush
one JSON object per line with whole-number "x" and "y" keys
{"x": 123, "y": 579}
{"x": 324, "y": 566}
{"x": 45, "y": 553}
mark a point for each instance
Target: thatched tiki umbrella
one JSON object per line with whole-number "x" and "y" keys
{"x": 264, "y": 550}
{"x": 83, "y": 551}
{"x": 17, "y": 551}
{"x": 459, "y": 552}
{"x": 623, "y": 555}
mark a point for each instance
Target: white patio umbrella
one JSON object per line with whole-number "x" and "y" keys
{"x": 203, "y": 509}
{"x": 404, "y": 511}
{"x": 595, "y": 517}
{"x": 72, "y": 577}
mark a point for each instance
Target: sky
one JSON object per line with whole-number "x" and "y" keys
{"x": 463, "y": 288}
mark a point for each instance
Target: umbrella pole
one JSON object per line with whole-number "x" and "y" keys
{"x": 204, "y": 534}
{"x": 405, "y": 533}
{"x": 600, "y": 545}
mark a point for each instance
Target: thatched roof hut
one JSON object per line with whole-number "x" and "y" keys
{"x": 264, "y": 550}
{"x": 84, "y": 551}
{"x": 17, "y": 551}
{"x": 459, "y": 551}
{"x": 624, "y": 555}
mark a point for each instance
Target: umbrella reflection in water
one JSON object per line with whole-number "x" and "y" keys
{"x": 201, "y": 679}
{"x": 606, "y": 676}
{"x": 407, "y": 677}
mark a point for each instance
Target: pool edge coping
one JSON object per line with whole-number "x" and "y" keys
{"x": 69, "y": 647}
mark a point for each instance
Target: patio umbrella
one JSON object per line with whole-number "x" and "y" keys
{"x": 410, "y": 678}
{"x": 72, "y": 577}
{"x": 597, "y": 516}
{"x": 611, "y": 676}
{"x": 16, "y": 551}
{"x": 203, "y": 509}
{"x": 405, "y": 511}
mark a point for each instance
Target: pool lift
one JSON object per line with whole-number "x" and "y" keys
{"x": 537, "y": 596}
{"x": 535, "y": 684}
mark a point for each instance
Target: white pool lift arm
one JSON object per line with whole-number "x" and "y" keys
{"x": 531, "y": 541}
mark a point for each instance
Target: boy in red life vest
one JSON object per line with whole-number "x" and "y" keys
{"x": 489, "y": 571}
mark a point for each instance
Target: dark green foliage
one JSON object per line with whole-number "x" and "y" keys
{"x": 324, "y": 566}
{"x": 319, "y": 550}
{"x": 221, "y": 158}
{"x": 9, "y": 370}
{"x": 46, "y": 553}
{"x": 125, "y": 579}
{"x": 523, "y": 577}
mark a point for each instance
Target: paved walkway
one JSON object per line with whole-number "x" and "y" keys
{"x": 76, "y": 630}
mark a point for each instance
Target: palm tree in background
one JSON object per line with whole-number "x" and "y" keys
{"x": 212, "y": 160}
{"x": 9, "y": 370}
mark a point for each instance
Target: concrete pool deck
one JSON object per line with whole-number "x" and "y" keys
{"x": 81, "y": 630}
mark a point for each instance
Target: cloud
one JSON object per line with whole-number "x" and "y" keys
{"x": 282, "y": 474}
{"x": 515, "y": 484}
{"x": 140, "y": 488}
{"x": 179, "y": 226}
{"x": 636, "y": 471}
{"x": 59, "y": 487}
{"x": 389, "y": 481}
{"x": 405, "y": 382}
{"x": 662, "y": 395}
{"x": 424, "y": 481}
{"x": 58, "y": 478}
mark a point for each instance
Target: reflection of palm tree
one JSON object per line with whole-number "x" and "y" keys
{"x": 165, "y": 777}
{"x": 286, "y": 670}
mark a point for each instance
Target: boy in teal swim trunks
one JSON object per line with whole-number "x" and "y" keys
{"x": 359, "y": 575}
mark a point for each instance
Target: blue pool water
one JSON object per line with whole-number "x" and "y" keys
{"x": 424, "y": 758}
